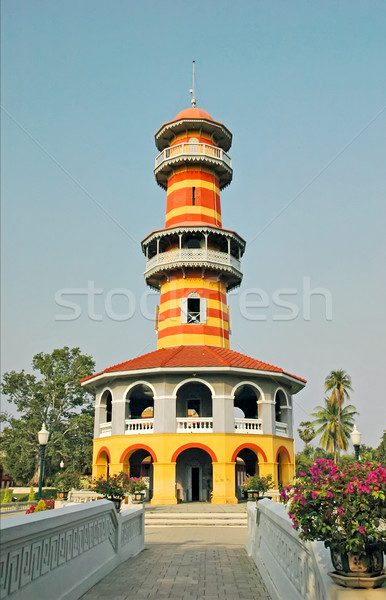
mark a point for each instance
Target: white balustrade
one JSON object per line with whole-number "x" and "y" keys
{"x": 105, "y": 429}
{"x": 291, "y": 568}
{"x": 204, "y": 150}
{"x": 134, "y": 426}
{"x": 194, "y": 424}
{"x": 248, "y": 426}
{"x": 281, "y": 429}
{"x": 193, "y": 255}
{"x": 63, "y": 553}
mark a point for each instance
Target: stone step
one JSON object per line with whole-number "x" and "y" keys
{"x": 173, "y": 519}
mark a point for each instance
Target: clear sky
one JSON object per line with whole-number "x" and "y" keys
{"x": 86, "y": 83}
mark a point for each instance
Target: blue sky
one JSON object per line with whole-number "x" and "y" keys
{"x": 85, "y": 84}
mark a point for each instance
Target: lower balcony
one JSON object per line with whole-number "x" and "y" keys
{"x": 248, "y": 426}
{"x": 281, "y": 429}
{"x": 194, "y": 424}
{"x": 134, "y": 426}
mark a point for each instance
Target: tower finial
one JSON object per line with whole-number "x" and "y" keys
{"x": 192, "y": 91}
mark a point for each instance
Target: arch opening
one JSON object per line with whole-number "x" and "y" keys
{"x": 245, "y": 402}
{"x": 194, "y": 400}
{"x": 194, "y": 476}
{"x": 139, "y": 402}
{"x": 247, "y": 463}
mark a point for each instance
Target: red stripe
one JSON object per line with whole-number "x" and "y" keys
{"x": 194, "y": 174}
{"x": 193, "y": 219}
{"x": 183, "y": 199}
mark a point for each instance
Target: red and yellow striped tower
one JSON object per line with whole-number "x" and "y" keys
{"x": 194, "y": 262}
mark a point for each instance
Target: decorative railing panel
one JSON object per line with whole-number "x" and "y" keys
{"x": 291, "y": 569}
{"x": 139, "y": 426}
{"x": 193, "y": 424}
{"x": 194, "y": 150}
{"x": 105, "y": 429}
{"x": 192, "y": 256}
{"x": 248, "y": 426}
{"x": 62, "y": 553}
{"x": 281, "y": 429}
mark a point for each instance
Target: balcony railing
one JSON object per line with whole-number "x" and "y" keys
{"x": 204, "y": 150}
{"x": 105, "y": 429}
{"x": 248, "y": 426}
{"x": 191, "y": 256}
{"x": 194, "y": 424}
{"x": 281, "y": 429}
{"x": 134, "y": 426}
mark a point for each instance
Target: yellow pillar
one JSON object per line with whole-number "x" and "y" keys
{"x": 164, "y": 477}
{"x": 115, "y": 468}
{"x": 224, "y": 483}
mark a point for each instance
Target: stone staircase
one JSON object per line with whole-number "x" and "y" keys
{"x": 207, "y": 518}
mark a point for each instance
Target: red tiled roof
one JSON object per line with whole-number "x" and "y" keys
{"x": 193, "y": 356}
{"x": 193, "y": 113}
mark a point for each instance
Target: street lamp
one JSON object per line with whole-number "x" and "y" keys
{"x": 43, "y": 436}
{"x": 356, "y": 441}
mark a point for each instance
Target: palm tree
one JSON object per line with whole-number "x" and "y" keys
{"x": 339, "y": 384}
{"x": 335, "y": 434}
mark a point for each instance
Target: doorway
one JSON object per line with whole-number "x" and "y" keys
{"x": 196, "y": 484}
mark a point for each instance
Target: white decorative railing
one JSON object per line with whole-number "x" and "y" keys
{"x": 291, "y": 569}
{"x": 105, "y": 429}
{"x": 63, "y": 553}
{"x": 204, "y": 150}
{"x": 190, "y": 424}
{"x": 248, "y": 426}
{"x": 281, "y": 429}
{"x": 14, "y": 507}
{"x": 193, "y": 255}
{"x": 139, "y": 426}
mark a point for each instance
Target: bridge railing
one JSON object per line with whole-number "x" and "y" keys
{"x": 62, "y": 553}
{"x": 291, "y": 569}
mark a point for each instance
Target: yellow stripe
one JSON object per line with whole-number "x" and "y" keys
{"x": 191, "y": 339}
{"x": 193, "y": 283}
{"x": 198, "y": 183}
{"x": 193, "y": 210}
{"x": 176, "y": 321}
{"x": 177, "y": 302}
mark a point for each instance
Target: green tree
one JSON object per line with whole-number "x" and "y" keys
{"x": 334, "y": 425}
{"x": 53, "y": 395}
{"x": 338, "y": 383}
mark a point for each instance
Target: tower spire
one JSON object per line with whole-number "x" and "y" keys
{"x": 192, "y": 91}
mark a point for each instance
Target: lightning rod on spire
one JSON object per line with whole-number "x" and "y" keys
{"x": 192, "y": 91}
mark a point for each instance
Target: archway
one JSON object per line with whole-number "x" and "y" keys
{"x": 247, "y": 463}
{"x": 245, "y": 402}
{"x": 105, "y": 407}
{"x": 103, "y": 463}
{"x": 283, "y": 462}
{"x": 140, "y": 402}
{"x": 194, "y": 475}
{"x": 137, "y": 461}
{"x": 194, "y": 400}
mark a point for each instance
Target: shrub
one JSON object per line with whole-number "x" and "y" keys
{"x": 31, "y": 496}
{"x": 41, "y": 505}
{"x": 7, "y": 496}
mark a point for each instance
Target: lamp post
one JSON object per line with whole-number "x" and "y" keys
{"x": 43, "y": 436}
{"x": 356, "y": 441}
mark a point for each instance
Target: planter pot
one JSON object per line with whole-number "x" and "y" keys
{"x": 253, "y": 495}
{"x": 62, "y": 495}
{"x": 354, "y": 570}
{"x": 138, "y": 496}
{"x": 117, "y": 503}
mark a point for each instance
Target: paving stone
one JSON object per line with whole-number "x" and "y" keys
{"x": 200, "y": 563}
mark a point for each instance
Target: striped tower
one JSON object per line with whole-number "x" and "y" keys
{"x": 193, "y": 261}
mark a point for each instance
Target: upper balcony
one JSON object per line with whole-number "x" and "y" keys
{"x": 193, "y": 257}
{"x": 203, "y": 154}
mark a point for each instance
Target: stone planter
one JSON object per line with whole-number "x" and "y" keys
{"x": 117, "y": 503}
{"x": 62, "y": 495}
{"x": 138, "y": 497}
{"x": 357, "y": 571}
{"x": 253, "y": 495}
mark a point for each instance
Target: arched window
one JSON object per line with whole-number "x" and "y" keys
{"x": 280, "y": 406}
{"x": 193, "y": 309}
{"x": 246, "y": 398}
{"x": 140, "y": 402}
{"x": 106, "y": 407}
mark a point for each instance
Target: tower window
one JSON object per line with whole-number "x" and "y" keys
{"x": 193, "y": 196}
{"x": 193, "y": 310}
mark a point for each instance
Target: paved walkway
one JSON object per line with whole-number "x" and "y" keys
{"x": 192, "y": 563}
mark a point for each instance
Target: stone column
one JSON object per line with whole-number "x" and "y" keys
{"x": 224, "y": 483}
{"x": 223, "y": 417}
{"x": 164, "y": 477}
{"x": 165, "y": 414}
